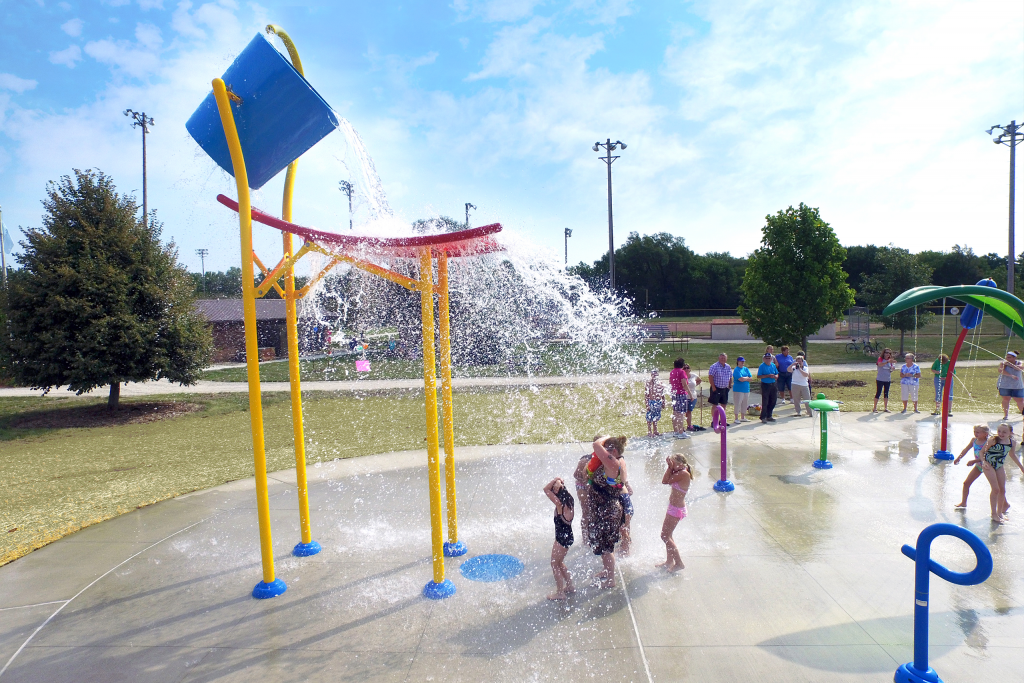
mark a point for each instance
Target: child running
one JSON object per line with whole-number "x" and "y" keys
{"x": 678, "y": 476}
{"x": 560, "y": 496}
{"x": 981, "y": 434}
{"x": 997, "y": 448}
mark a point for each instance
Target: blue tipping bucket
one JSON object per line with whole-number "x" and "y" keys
{"x": 971, "y": 317}
{"x": 279, "y": 118}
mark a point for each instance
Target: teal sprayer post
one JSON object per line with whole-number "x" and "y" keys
{"x": 918, "y": 671}
{"x": 824, "y": 407}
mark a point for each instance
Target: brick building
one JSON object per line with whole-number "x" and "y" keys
{"x": 226, "y": 322}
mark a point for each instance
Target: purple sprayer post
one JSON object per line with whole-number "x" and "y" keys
{"x": 720, "y": 423}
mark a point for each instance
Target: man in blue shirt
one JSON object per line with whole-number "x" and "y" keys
{"x": 767, "y": 373}
{"x": 783, "y": 361}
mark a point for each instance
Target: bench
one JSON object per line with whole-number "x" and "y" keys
{"x": 659, "y": 331}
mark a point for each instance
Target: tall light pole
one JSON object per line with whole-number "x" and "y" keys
{"x": 608, "y": 159}
{"x": 203, "y": 253}
{"x": 3, "y": 248}
{"x": 1010, "y": 136}
{"x": 468, "y": 207}
{"x": 140, "y": 120}
{"x": 568, "y": 234}
{"x": 346, "y": 187}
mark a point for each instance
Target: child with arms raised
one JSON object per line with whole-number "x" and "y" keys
{"x": 564, "y": 504}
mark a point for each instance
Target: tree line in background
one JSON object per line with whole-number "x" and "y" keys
{"x": 228, "y": 284}
{"x": 660, "y": 273}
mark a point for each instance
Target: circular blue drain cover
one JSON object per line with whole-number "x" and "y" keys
{"x": 491, "y": 568}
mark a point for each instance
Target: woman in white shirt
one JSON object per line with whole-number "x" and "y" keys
{"x": 801, "y": 383}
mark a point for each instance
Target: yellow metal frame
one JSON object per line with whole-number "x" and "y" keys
{"x": 252, "y": 366}
{"x": 285, "y": 270}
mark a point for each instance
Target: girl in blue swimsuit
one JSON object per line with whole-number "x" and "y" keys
{"x": 981, "y": 434}
{"x": 999, "y": 447}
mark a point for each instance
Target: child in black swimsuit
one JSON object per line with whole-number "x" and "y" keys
{"x": 564, "y": 504}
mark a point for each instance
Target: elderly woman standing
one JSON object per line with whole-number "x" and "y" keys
{"x": 910, "y": 380}
{"x": 607, "y": 477}
{"x": 1011, "y": 383}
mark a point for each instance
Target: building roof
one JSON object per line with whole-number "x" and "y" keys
{"x": 230, "y": 310}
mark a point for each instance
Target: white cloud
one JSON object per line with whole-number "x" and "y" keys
{"x": 134, "y": 59}
{"x": 15, "y": 84}
{"x": 151, "y": 4}
{"x": 64, "y": 6}
{"x": 72, "y": 27}
{"x": 68, "y": 56}
{"x": 495, "y": 10}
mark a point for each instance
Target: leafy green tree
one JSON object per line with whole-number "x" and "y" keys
{"x": 795, "y": 283}
{"x": 899, "y": 271}
{"x": 860, "y": 263}
{"x": 99, "y": 300}
{"x": 659, "y": 272}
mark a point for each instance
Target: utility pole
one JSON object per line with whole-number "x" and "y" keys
{"x": 203, "y": 253}
{"x": 609, "y": 147}
{"x": 140, "y": 120}
{"x": 3, "y": 247}
{"x": 568, "y": 234}
{"x": 1010, "y": 136}
{"x": 468, "y": 207}
{"x": 346, "y": 187}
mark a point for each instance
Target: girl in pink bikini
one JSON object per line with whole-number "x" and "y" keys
{"x": 678, "y": 476}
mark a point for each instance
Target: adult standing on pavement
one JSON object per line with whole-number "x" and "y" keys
{"x": 801, "y": 390}
{"x": 720, "y": 376}
{"x": 883, "y": 378}
{"x": 678, "y": 383}
{"x": 740, "y": 390}
{"x": 783, "y": 361}
{"x": 910, "y": 379}
{"x": 940, "y": 368}
{"x": 1011, "y": 383}
{"x": 768, "y": 373}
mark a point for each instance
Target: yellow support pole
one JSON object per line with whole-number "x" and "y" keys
{"x": 453, "y": 547}
{"x": 439, "y": 587}
{"x": 307, "y": 546}
{"x": 270, "y": 586}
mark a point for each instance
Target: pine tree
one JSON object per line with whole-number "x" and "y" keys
{"x": 99, "y": 300}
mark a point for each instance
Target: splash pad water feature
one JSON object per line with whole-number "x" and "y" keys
{"x": 824, "y": 407}
{"x": 517, "y": 298}
{"x": 270, "y": 118}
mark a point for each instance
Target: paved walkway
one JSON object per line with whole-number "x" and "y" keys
{"x": 795, "y": 577}
{"x": 164, "y": 387}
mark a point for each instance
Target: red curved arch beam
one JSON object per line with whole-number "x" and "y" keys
{"x": 462, "y": 243}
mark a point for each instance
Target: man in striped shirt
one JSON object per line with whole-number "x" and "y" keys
{"x": 720, "y": 375}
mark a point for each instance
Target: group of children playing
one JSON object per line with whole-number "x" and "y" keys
{"x": 602, "y": 486}
{"x": 990, "y": 452}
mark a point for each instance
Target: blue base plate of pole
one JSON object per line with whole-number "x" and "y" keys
{"x": 306, "y": 549}
{"x": 908, "y": 674}
{"x": 943, "y": 455}
{"x": 822, "y": 464}
{"x": 264, "y": 590}
{"x": 439, "y": 591}
{"x": 724, "y": 485}
{"x": 457, "y": 549}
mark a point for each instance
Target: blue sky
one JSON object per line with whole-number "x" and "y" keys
{"x": 872, "y": 111}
